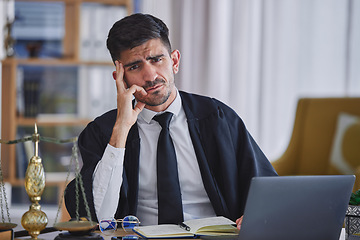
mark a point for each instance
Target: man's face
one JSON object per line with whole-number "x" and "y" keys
{"x": 152, "y": 67}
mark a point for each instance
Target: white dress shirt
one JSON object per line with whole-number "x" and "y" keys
{"x": 107, "y": 177}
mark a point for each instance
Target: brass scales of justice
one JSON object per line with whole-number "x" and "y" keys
{"x": 35, "y": 220}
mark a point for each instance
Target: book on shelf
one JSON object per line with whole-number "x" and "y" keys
{"x": 38, "y": 29}
{"x": 31, "y": 97}
{"x": 20, "y": 103}
{"x": 21, "y": 160}
{"x": 212, "y": 226}
{"x": 58, "y": 90}
{"x": 97, "y": 91}
{"x": 58, "y": 93}
{"x": 24, "y": 151}
{"x": 96, "y": 19}
{"x": 46, "y": 90}
{"x": 27, "y": 90}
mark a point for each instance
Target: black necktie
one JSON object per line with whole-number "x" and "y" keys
{"x": 169, "y": 195}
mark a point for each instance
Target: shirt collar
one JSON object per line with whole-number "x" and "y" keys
{"x": 175, "y": 107}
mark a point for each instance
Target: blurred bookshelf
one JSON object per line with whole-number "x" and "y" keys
{"x": 60, "y": 78}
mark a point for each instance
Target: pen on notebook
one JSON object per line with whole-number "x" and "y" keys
{"x": 184, "y": 226}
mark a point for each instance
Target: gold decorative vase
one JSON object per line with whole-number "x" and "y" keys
{"x": 34, "y": 220}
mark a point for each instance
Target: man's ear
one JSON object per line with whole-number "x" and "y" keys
{"x": 114, "y": 75}
{"x": 175, "y": 57}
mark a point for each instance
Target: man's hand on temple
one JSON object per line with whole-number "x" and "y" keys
{"x": 126, "y": 114}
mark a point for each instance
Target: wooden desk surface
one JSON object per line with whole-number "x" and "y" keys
{"x": 52, "y": 235}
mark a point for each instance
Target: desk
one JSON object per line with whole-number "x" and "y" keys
{"x": 52, "y": 235}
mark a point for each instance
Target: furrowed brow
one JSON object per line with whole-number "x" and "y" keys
{"x": 132, "y": 63}
{"x": 155, "y": 57}
{"x": 139, "y": 61}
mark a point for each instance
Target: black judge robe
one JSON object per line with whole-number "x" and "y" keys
{"x": 228, "y": 158}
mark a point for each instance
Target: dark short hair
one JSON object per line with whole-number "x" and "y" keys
{"x": 134, "y": 30}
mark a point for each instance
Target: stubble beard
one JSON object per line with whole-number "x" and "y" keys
{"x": 156, "y": 98}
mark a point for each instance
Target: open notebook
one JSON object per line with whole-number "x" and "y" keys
{"x": 212, "y": 226}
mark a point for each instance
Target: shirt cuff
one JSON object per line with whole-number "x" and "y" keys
{"x": 113, "y": 156}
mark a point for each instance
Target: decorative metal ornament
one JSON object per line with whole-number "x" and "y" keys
{"x": 7, "y": 225}
{"x": 76, "y": 226}
{"x": 34, "y": 220}
{"x": 9, "y": 41}
{"x": 79, "y": 225}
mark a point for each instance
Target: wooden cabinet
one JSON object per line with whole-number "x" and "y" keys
{"x": 70, "y": 57}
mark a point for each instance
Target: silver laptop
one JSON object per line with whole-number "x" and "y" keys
{"x": 295, "y": 208}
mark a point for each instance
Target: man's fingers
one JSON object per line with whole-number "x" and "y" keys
{"x": 124, "y": 91}
{"x": 239, "y": 222}
{"x": 120, "y": 83}
{"x": 139, "y": 107}
{"x": 135, "y": 89}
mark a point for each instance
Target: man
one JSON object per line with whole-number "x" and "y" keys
{"x": 215, "y": 155}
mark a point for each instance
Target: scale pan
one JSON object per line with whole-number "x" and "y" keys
{"x": 7, "y": 226}
{"x": 75, "y": 226}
